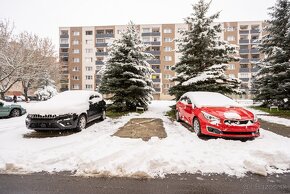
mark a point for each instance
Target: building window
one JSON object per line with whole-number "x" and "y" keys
{"x": 231, "y": 66}
{"x": 88, "y": 50}
{"x": 64, "y": 41}
{"x": 89, "y": 41}
{"x": 146, "y": 39}
{"x": 167, "y": 30}
{"x": 76, "y": 60}
{"x": 76, "y": 69}
{"x": 88, "y": 59}
{"x": 89, "y": 68}
{"x": 167, "y": 67}
{"x": 75, "y": 42}
{"x": 63, "y": 32}
{"x": 89, "y": 32}
{"x": 167, "y": 76}
{"x": 167, "y": 48}
{"x": 156, "y": 39}
{"x": 75, "y": 86}
{"x": 244, "y": 75}
{"x": 76, "y": 51}
{"x": 74, "y": 77}
{"x": 89, "y": 77}
{"x": 230, "y": 28}
{"x": 230, "y": 38}
{"x": 76, "y": 33}
{"x": 244, "y": 27}
{"x": 167, "y": 58}
{"x": 244, "y": 65}
{"x": 89, "y": 86}
{"x": 145, "y": 30}
{"x": 166, "y": 86}
{"x": 167, "y": 39}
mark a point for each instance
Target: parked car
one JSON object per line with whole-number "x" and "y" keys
{"x": 8, "y": 99}
{"x": 10, "y": 110}
{"x": 214, "y": 114}
{"x": 67, "y": 110}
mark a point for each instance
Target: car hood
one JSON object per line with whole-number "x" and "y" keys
{"x": 231, "y": 113}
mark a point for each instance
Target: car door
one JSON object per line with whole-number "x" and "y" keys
{"x": 181, "y": 106}
{"x": 4, "y": 110}
{"x": 188, "y": 111}
{"x": 93, "y": 108}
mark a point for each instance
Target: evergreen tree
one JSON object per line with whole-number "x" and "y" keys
{"x": 204, "y": 57}
{"x": 127, "y": 74}
{"x": 272, "y": 81}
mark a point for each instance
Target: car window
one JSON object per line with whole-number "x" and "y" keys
{"x": 183, "y": 99}
{"x": 188, "y": 101}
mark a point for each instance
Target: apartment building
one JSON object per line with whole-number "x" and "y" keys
{"x": 83, "y": 50}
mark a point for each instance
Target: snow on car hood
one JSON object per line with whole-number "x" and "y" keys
{"x": 232, "y": 113}
{"x": 65, "y": 103}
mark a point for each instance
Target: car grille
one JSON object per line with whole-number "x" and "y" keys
{"x": 238, "y": 122}
{"x": 37, "y": 116}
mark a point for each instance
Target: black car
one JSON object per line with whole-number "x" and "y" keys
{"x": 67, "y": 110}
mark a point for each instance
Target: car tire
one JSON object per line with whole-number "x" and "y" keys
{"x": 15, "y": 113}
{"x": 177, "y": 115}
{"x": 82, "y": 122}
{"x": 103, "y": 117}
{"x": 196, "y": 127}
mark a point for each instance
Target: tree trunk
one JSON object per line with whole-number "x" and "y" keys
{"x": 25, "y": 91}
{"x": 2, "y": 94}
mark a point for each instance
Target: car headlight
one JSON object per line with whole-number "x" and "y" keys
{"x": 210, "y": 117}
{"x": 255, "y": 118}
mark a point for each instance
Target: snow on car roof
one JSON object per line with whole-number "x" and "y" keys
{"x": 67, "y": 102}
{"x": 210, "y": 99}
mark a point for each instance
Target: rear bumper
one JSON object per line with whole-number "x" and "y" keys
{"x": 51, "y": 124}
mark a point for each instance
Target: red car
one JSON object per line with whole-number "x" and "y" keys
{"x": 214, "y": 114}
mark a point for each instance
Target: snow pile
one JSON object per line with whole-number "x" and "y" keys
{"x": 232, "y": 115}
{"x": 95, "y": 152}
{"x": 64, "y": 103}
{"x": 46, "y": 92}
{"x": 210, "y": 99}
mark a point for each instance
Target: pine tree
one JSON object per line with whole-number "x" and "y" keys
{"x": 204, "y": 57}
{"x": 127, "y": 74}
{"x": 272, "y": 82}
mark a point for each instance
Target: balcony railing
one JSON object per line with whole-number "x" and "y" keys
{"x": 100, "y": 63}
{"x": 255, "y": 59}
{"x": 244, "y": 31}
{"x": 101, "y": 44}
{"x": 154, "y": 61}
{"x": 64, "y": 45}
{"x": 63, "y": 81}
{"x": 62, "y": 54}
{"x": 154, "y": 52}
{"x": 244, "y": 41}
{"x": 104, "y": 35}
{"x": 156, "y": 80}
{"x": 244, "y": 79}
{"x": 254, "y": 51}
{"x": 156, "y": 70}
{"x": 244, "y": 51}
{"x": 244, "y": 70}
{"x": 64, "y": 36}
{"x": 244, "y": 60}
{"x": 255, "y": 31}
{"x": 254, "y": 69}
{"x": 101, "y": 53}
{"x": 153, "y": 43}
{"x": 157, "y": 90}
{"x": 151, "y": 34}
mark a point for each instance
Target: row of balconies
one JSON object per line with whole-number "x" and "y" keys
{"x": 245, "y": 70}
{"x": 247, "y": 41}
{"x": 245, "y": 51}
{"x": 245, "y": 60}
{"x": 249, "y": 31}
{"x": 150, "y": 34}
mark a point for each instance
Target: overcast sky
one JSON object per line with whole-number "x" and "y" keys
{"x": 44, "y": 17}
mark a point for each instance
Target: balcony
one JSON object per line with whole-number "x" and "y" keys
{"x": 101, "y": 53}
{"x": 64, "y": 45}
{"x": 101, "y": 44}
{"x": 244, "y": 51}
{"x": 156, "y": 70}
{"x": 63, "y": 54}
{"x": 100, "y": 63}
{"x": 244, "y": 79}
{"x": 151, "y": 34}
{"x": 255, "y": 31}
{"x": 154, "y": 61}
{"x": 104, "y": 35}
{"x": 63, "y": 81}
{"x": 64, "y": 36}
{"x": 244, "y": 31}
{"x": 244, "y": 60}
{"x": 153, "y": 52}
{"x": 244, "y": 41}
{"x": 157, "y": 90}
{"x": 152, "y": 43}
{"x": 156, "y": 80}
{"x": 242, "y": 70}
{"x": 254, "y": 51}
{"x": 255, "y": 60}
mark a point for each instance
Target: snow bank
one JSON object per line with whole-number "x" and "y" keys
{"x": 210, "y": 99}
{"x": 95, "y": 152}
{"x": 64, "y": 103}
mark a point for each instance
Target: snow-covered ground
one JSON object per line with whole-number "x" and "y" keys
{"x": 95, "y": 152}
{"x": 272, "y": 119}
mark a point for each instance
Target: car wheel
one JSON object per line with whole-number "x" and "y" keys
{"x": 196, "y": 127}
{"x": 103, "y": 117}
{"x": 177, "y": 114}
{"x": 82, "y": 122}
{"x": 15, "y": 113}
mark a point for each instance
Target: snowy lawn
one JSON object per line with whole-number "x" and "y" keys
{"x": 94, "y": 151}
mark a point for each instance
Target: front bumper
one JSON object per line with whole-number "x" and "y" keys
{"x": 223, "y": 130}
{"x": 51, "y": 124}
